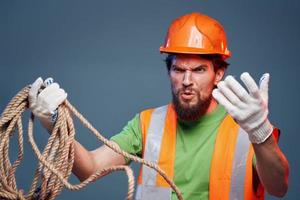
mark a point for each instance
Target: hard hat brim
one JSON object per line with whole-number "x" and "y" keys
{"x": 190, "y": 50}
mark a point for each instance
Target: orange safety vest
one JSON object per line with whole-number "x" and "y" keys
{"x": 231, "y": 169}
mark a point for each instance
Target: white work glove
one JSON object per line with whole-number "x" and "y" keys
{"x": 44, "y": 99}
{"x": 249, "y": 109}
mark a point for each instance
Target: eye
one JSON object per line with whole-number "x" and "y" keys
{"x": 177, "y": 69}
{"x": 200, "y": 69}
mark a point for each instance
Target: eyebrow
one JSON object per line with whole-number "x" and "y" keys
{"x": 198, "y": 66}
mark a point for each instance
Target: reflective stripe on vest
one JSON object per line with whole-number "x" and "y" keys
{"x": 231, "y": 165}
{"x": 154, "y": 139}
{"x": 239, "y": 166}
{"x": 161, "y": 122}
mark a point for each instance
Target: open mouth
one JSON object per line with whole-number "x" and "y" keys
{"x": 187, "y": 95}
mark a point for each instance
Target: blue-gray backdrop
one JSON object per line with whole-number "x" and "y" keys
{"x": 105, "y": 55}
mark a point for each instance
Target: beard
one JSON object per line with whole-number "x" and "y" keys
{"x": 190, "y": 112}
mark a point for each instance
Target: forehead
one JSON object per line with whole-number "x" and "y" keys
{"x": 188, "y": 60}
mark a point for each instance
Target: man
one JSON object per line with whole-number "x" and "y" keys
{"x": 208, "y": 153}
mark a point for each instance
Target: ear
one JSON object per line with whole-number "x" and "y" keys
{"x": 219, "y": 75}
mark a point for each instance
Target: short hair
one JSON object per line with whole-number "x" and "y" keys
{"x": 217, "y": 60}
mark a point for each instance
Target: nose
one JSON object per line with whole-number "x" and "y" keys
{"x": 187, "y": 78}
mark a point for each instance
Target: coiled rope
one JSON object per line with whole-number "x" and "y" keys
{"x": 56, "y": 161}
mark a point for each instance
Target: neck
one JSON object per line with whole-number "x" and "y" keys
{"x": 213, "y": 104}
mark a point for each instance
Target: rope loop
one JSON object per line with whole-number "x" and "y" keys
{"x": 56, "y": 160}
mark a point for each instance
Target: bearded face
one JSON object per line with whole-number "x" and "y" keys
{"x": 186, "y": 110}
{"x": 192, "y": 80}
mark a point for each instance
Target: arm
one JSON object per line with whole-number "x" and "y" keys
{"x": 43, "y": 105}
{"x": 88, "y": 162}
{"x": 272, "y": 167}
{"x": 129, "y": 139}
{"x": 250, "y": 111}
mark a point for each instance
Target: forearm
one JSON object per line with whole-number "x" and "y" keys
{"x": 272, "y": 167}
{"x": 83, "y": 161}
{"x": 83, "y": 165}
{"x": 88, "y": 162}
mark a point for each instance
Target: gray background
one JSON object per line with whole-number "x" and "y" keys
{"x": 105, "y": 55}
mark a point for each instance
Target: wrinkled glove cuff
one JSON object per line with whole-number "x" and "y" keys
{"x": 262, "y": 133}
{"x": 49, "y": 121}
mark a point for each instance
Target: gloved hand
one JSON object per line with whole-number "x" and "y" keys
{"x": 249, "y": 109}
{"x": 44, "y": 103}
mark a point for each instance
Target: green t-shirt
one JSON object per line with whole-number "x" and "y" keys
{"x": 194, "y": 149}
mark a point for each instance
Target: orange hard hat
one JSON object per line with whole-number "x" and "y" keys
{"x": 196, "y": 33}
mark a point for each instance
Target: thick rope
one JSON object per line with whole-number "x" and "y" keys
{"x": 56, "y": 160}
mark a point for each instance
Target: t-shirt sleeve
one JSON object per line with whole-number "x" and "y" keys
{"x": 130, "y": 138}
